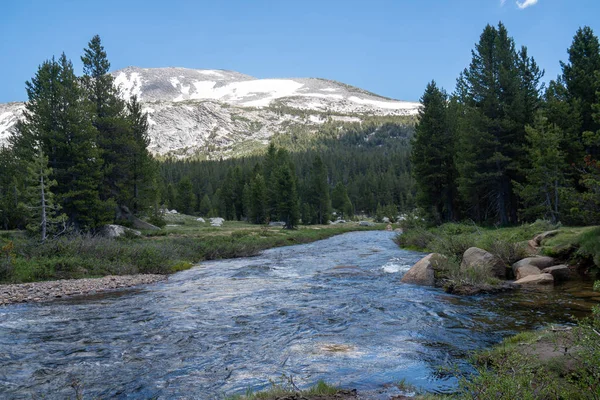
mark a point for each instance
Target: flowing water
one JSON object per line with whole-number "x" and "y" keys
{"x": 334, "y": 310}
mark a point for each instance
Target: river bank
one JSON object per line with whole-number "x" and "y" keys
{"x": 52, "y": 290}
{"x": 182, "y": 243}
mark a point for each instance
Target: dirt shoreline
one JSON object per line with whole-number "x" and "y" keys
{"x": 36, "y": 292}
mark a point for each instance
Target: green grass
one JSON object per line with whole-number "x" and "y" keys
{"x": 174, "y": 248}
{"x": 582, "y": 244}
{"x": 286, "y": 387}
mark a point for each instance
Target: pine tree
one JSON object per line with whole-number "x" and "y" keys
{"x": 171, "y": 197}
{"x": 141, "y": 164}
{"x": 340, "y": 200}
{"x": 579, "y": 76}
{"x": 110, "y": 118}
{"x": 39, "y": 199}
{"x": 205, "y": 206}
{"x": 433, "y": 157}
{"x": 319, "y": 192}
{"x": 287, "y": 196}
{"x": 185, "y": 196}
{"x": 258, "y": 200}
{"x": 57, "y": 121}
{"x": 498, "y": 94}
{"x": 545, "y": 177}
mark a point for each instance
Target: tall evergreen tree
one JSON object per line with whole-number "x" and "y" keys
{"x": 579, "y": 76}
{"x": 287, "y": 196}
{"x": 115, "y": 137}
{"x": 499, "y": 93}
{"x": 258, "y": 200}
{"x": 433, "y": 157}
{"x": 185, "y": 196}
{"x": 545, "y": 178}
{"x": 57, "y": 121}
{"x": 141, "y": 164}
{"x": 319, "y": 192}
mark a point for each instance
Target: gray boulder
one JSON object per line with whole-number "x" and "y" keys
{"x": 423, "y": 272}
{"x": 527, "y": 270}
{"x": 540, "y": 262}
{"x": 277, "y": 223}
{"x": 475, "y": 257}
{"x": 366, "y": 223}
{"x": 201, "y": 220}
{"x": 559, "y": 272}
{"x": 115, "y": 231}
{"x": 541, "y": 279}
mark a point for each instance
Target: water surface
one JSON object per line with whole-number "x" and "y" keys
{"x": 332, "y": 310}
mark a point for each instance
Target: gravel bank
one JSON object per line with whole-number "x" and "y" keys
{"x": 46, "y": 291}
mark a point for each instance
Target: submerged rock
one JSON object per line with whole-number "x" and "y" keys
{"x": 475, "y": 257}
{"x": 559, "y": 272}
{"x": 424, "y": 271}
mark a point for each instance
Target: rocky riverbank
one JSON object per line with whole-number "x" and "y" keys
{"x": 50, "y": 290}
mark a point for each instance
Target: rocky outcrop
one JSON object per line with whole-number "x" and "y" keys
{"x": 559, "y": 272}
{"x": 541, "y": 279}
{"x": 115, "y": 231}
{"x": 46, "y": 291}
{"x": 217, "y": 222}
{"x": 424, "y": 271}
{"x": 475, "y": 257}
{"x": 538, "y": 239}
{"x": 539, "y": 262}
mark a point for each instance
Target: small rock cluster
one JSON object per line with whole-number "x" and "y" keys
{"x": 50, "y": 290}
{"x": 534, "y": 270}
{"x": 217, "y": 222}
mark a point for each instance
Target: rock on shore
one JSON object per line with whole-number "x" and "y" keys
{"x": 50, "y": 290}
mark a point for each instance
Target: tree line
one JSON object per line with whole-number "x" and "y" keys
{"x": 79, "y": 155}
{"x": 504, "y": 147}
{"x": 344, "y": 168}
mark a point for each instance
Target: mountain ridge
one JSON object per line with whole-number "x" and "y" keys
{"x": 222, "y": 113}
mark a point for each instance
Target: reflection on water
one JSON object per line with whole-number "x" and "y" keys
{"x": 333, "y": 310}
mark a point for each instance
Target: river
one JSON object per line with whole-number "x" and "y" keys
{"x": 333, "y": 309}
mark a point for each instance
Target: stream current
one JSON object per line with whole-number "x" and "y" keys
{"x": 333, "y": 310}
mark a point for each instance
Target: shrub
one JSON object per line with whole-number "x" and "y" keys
{"x": 416, "y": 238}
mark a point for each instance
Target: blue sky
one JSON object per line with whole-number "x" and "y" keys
{"x": 390, "y": 47}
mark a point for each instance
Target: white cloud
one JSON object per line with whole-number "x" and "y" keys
{"x": 502, "y": 2}
{"x": 526, "y": 3}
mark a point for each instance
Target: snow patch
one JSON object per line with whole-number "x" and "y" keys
{"x": 393, "y": 105}
{"x": 129, "y": 86}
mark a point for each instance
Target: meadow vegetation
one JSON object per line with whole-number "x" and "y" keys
{"x": 181, "y": 243}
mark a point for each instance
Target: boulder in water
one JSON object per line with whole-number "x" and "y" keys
{"x": 541, "y": 279}
{"x": 559, "y": 272}
{"x": 423, "y": 272}
{"x": 527, "y": 270}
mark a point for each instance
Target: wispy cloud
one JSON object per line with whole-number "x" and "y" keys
{"x": 526, "y": 3}
{"x": 502, "y": 2}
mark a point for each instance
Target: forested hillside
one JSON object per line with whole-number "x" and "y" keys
{"x": 346, "y": 168}
{"x": 504, "y": 148}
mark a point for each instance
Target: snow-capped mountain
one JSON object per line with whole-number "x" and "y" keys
{"x": 219, "y": 113}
